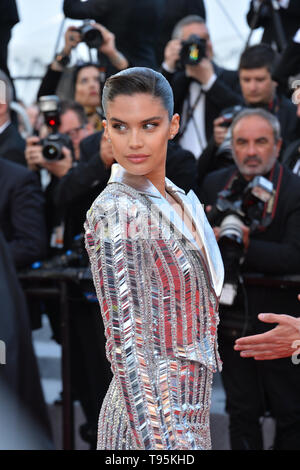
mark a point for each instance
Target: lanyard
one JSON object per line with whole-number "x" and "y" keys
{"x": 190, "y": 116}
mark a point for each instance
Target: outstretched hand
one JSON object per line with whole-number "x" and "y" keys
{"x": 282, "y": 341}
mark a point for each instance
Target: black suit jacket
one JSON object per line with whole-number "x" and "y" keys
{"x": 22, "y": 213}
{"x": 288, "y": 65}
{"x": 24, "y": 402}
{"x": 224, "y": 93}
{"x": 291, "y": 155}
{"x": 83, "y": 183}
{"x": 275, "y": 251}
{"x": 12, "y": 145}
{"x": 135, "y": 24}
{"x": 8, "y": 13}
{"x": 290, "y": 18}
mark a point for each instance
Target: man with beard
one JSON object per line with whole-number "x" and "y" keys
{"x": 268, "y": 248}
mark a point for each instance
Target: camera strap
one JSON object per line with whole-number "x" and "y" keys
{"x": 271, "y": 205}
{"x": 190, "y": 116}
{"x": 235, "y": 183}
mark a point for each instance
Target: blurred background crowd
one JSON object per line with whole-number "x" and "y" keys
{"x": 55, "y": 160}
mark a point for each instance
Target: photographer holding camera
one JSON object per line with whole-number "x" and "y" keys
{"x": 201, "y": 88}
{"x": 259, "y": 89}
{"x": 54, "y": 155}
{"x": 83, "y": 82}
{"x": 255, "y": 210}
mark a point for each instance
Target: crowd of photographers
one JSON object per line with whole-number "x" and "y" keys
{"x": 238, "y": 148}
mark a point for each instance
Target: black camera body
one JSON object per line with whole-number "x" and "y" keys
{"x": 229, "y": 114}
{"x": 248, "y": 206}
{"x": 52, "y": 145}
{"x": 91, "y": 36}
{"x": 193, "y": 50}
{"x": 232, "y": 210}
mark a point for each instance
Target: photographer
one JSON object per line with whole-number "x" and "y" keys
{"x": 85, "y": 85}
{"x": 258, "y": 90}
{"x": 261, "y": 13}
{"x": 201, "y": 88}
{"x": 260, "y": 236}
{"x": 72, "y": 126}
{"x": 135, "y": 24}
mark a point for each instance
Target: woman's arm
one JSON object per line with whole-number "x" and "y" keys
{"x": 128, "y": 278}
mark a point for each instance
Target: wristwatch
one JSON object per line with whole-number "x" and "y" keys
{"x": 62, "y": 59}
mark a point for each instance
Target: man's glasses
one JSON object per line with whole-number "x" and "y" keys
{"x": 74, "y": 132}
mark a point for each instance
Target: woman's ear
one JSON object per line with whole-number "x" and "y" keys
{"x": 104, "y": 124}
{"x": 174, "y": 127}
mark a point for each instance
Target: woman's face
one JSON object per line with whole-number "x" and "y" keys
{"x": 139, "y": 129}
{"x": 87, "y": 88}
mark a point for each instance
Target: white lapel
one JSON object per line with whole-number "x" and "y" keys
{"x": 210, "y": 246}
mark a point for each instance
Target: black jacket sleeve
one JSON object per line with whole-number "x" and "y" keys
{"x": 28, "y": 238}
{"x": 180, "y": 167}
{"x": 49, "y": 83}
{"x": 89, "y": 173}
{"x": 91, "y": 9}
{"x": 225, "y": 91}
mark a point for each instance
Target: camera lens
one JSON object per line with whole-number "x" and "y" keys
{"x": 91, "y": 36}
{"x": 52, "y": 151}
{"x": 231, "y": 228}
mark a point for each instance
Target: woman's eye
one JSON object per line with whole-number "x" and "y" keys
{"x": 119, "y": 127}
{"x": 150, "y": 125}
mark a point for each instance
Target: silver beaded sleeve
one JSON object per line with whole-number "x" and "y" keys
{"x": 160, "y": 322}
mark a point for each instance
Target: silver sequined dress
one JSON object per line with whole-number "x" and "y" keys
{"x": 158, "y": 293}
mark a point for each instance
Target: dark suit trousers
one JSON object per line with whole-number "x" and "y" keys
{"x": 254, "y": 387}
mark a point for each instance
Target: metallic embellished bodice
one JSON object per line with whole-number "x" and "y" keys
{"x": 159, "y": 302}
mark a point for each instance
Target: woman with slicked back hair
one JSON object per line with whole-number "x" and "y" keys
{"x": 158, "y": 275}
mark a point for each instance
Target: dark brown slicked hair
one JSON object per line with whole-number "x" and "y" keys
{"x": 258, "y": 56}
{"x": 139, "y": 80}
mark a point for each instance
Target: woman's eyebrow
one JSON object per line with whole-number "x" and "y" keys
{"x": 153, "y": 118}
{"x": 117, "y": 120}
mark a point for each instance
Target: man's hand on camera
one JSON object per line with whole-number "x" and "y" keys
{"x": 72, "y": 39}
{"x": 108, "y": 47}
{"x": 172, "y": 54}
{"x": 201, "y": 72}
{"x": 36, "y": 160}
{"x": 219, "y": 131}
{"x": 59, "y": 168}
{"x": 106, "y": 153}
{"x": 245, "y": 229}
{"x": 33, "y": 153}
